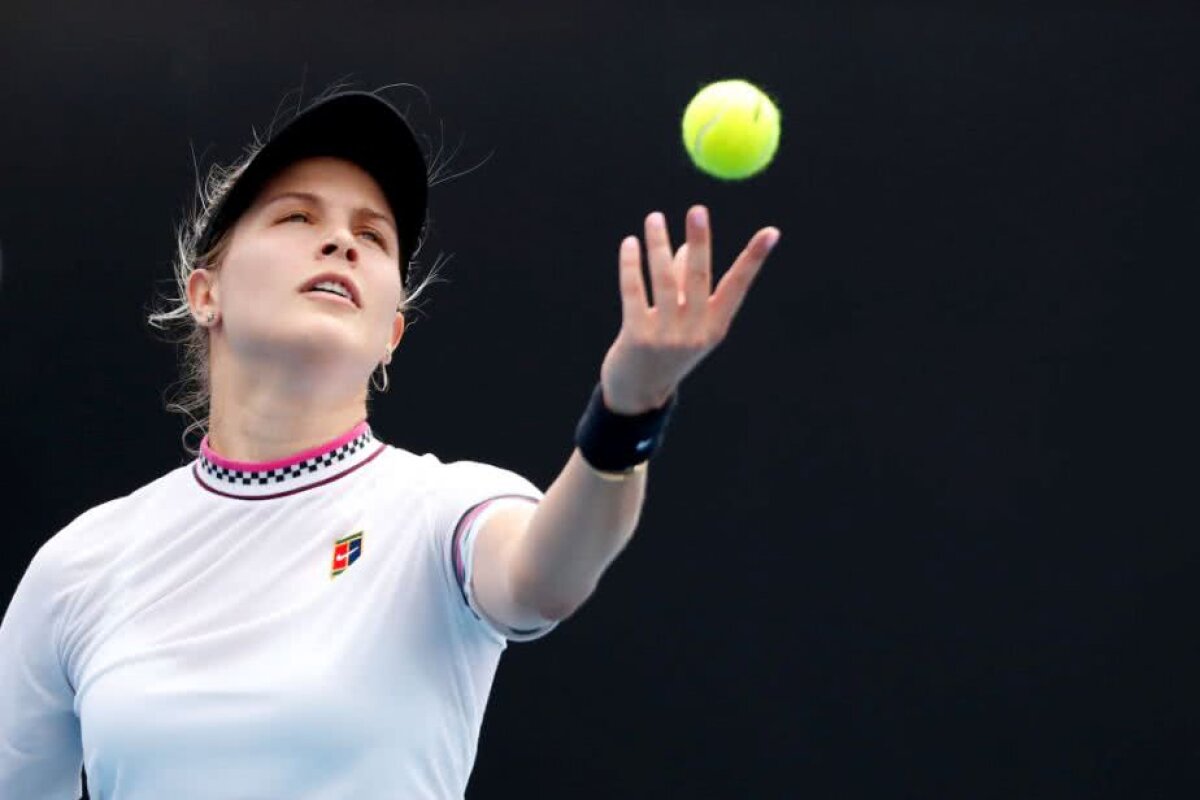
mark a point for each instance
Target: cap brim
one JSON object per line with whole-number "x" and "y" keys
{"x": 358, "y": 127}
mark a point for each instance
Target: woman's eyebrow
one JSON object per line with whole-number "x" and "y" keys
{"x": 379, "y": 215}
{"x": 309, "y": 197}
{"x": 305, "y": 196}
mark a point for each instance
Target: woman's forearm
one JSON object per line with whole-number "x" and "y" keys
{"x": 582, "y": 523}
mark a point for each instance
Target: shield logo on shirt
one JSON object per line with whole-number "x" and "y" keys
{"x": 345, "y": 552}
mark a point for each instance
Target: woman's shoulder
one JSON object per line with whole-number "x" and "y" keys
{"x": 431, "y": 474}
{"x": 437, "y": 471}
{"x": 101, "y": 526}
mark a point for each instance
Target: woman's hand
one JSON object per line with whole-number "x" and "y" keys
{"x": 659, "y": 344}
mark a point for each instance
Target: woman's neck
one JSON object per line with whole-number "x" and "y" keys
{"x": 256, "y": 419}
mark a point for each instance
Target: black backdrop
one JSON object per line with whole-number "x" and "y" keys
{"x": 919, "y": 529}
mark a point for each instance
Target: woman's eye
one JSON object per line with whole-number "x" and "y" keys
{"x": 295, "y": 215}
{"x": 374, "y": 236}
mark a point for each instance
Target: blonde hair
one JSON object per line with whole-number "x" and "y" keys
{"x": 190, "y": 396}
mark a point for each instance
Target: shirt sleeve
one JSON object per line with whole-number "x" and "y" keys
{"x": 469, "y": 495}
{"x": 41, "y": 751}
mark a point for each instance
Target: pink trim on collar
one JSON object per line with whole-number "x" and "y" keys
{"x": 262, "y": 466}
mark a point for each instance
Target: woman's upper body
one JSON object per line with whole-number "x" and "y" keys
{"x": 304, "y": 628}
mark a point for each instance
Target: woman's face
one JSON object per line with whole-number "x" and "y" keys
{"x": 312, "y": 273}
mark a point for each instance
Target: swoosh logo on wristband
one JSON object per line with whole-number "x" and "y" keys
{"x": 644, "y": 444}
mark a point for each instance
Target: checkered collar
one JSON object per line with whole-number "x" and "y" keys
{"x": 306, "y": 470}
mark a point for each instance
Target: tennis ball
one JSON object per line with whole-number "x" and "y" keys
{"x": 731, "y": 129}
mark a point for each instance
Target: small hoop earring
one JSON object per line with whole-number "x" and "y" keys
{"x": 209, "y": 318}
{"x": 380, "y": 386}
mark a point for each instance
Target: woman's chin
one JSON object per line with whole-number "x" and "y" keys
{"x": 329, "y": 343}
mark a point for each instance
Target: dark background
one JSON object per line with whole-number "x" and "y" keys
{"x": 922, "y": 525}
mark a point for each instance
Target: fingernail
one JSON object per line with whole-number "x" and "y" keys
{"x": 772, "y": 240}
{"x": 698, "y": 217}
{"x": 658, "y": 220}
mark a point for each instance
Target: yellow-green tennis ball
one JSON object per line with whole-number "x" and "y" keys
{"x": 731, "y": 129}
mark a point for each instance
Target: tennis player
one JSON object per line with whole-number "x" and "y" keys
{"x": 305, "y": 611}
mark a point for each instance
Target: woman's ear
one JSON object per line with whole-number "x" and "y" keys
{"x": 202, "y": 294}
{"x": 397, "y": 335}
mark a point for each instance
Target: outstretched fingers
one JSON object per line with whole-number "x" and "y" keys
{"x": 735, "y": 284}
{"x": 663, "y": 280}
{"x": 696, "y": 270}
{"x": 634, "y": 304}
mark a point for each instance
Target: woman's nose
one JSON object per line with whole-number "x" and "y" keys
{"x": 332, "y": 248}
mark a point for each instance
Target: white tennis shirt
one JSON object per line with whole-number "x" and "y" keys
{"x": 303, "y": 629}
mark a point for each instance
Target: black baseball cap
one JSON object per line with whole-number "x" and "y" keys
{"x": 356, "y": 126}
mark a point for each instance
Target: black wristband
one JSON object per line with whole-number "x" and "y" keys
{"x": 613, "y": 442}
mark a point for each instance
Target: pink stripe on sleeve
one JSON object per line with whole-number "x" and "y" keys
{"x": 465, "y": 524}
